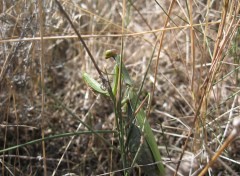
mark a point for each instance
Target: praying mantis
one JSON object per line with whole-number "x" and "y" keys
{"x": 136, "y": 135}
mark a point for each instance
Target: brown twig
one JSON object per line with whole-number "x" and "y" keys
{"x": 231, "y": 137}
{"x": 42, "y": 63}
{"x": 82, "y": 41}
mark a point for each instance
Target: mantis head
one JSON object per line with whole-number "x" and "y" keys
{"x": 112, "y": 53}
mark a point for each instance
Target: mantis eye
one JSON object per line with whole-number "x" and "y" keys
{"x": 110, "y": 53}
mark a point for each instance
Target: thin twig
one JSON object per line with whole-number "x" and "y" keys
{"x": 82, "y": 41}
{"x": 42, "y": 62}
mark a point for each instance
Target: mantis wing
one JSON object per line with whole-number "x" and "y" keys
{"x": 148, "y": 135}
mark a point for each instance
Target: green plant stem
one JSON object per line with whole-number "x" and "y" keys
{"x": 57, "y": 136}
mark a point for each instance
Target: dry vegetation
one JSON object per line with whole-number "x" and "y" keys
{"x": 195, "y": 99}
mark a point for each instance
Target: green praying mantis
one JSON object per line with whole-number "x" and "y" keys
{"x": 136, "y": 136}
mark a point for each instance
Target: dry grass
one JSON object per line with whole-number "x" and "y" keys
{"x": 196, "y": 83}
